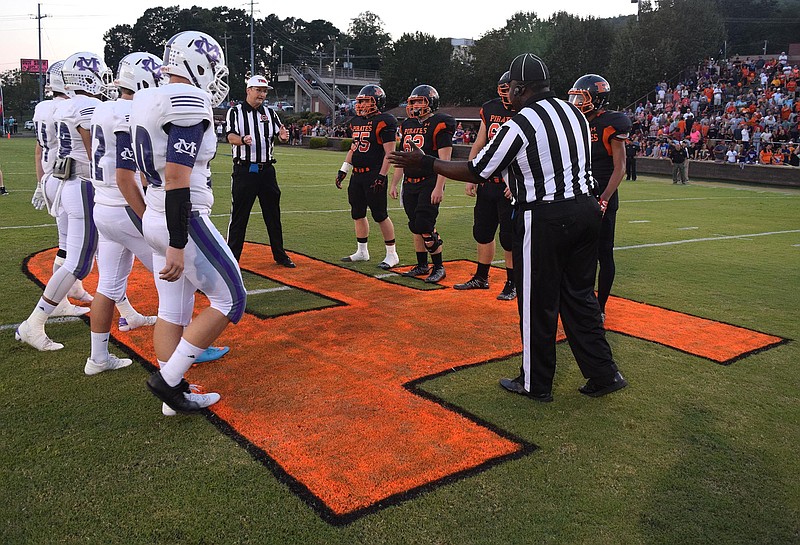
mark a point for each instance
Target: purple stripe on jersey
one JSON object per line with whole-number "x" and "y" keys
{"x": 183, "y": 143}
{"x": 223, "y": 262}
{"x": 89, "y": 245}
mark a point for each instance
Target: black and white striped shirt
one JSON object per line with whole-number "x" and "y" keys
{"x": 544, "y": 152}
{"x": 262, "y": 124}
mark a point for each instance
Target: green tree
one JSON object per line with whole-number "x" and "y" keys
{"x": 119, "y": 42}
{"x": 416, "y": 59}
{"x": 369, "y": 41}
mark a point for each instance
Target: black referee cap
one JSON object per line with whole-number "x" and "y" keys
{"x": 528, "y": 67}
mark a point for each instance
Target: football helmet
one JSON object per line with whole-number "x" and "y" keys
{"x": 85, "y": 71}
{"x": 504, "y": 88}
{"x": 197, "y": 57}
{"x": 423, "y": 100}
{"x": 139, "y": 71}
{"x": 590, "y": 92}
{"x": 55, "y": 81}
{"x": 371, "y": 99}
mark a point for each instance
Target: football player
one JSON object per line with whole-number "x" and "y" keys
{"x": 422, "y": 193}
{"x": 172, "y": 130}
{"x": 492, "y": 206}
{"x": 45, "y": 152}
{"x": 609, "y": 131}
{"x": 86, "y": 75}
{"x": 119, "y": 225}
{"x": 374, "y": 134}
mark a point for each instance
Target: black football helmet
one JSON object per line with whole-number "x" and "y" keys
{"x": 371, "y": 99}
{"x": 589, "y": 93}
{"x": 504, "y": 88}
{"x": 423, "y": 100}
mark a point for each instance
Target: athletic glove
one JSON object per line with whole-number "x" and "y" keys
{"x": 379, "y": 183}
{"x": 603, "y": 205}
{"x": 342, "y": 174}
{"x": 38, "y": 197}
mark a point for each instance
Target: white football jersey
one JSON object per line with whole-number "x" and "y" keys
{"x": 181, "y": 105}
{"x": 109, "y": 118}
{"x": 46, "y": 133}
{"x": 68, "y": 116}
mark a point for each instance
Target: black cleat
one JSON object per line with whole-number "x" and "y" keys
{"x": 287, "y": 262}
{"x": 600, "y": 387}
{"x": 173, "y": 395}
{"x": 516, "y": 385}
{"x": 418, "y": 270}
{"x": 509, "y": 292}
{"x": 437, "y": 275}
{"x": 475, "y": 283}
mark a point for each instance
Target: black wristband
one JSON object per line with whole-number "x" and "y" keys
{"x": 427, "y": 163}
{"x": 178, "y": 205}
{"x": 382, "y": 177}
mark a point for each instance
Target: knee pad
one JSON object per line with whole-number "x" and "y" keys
{"x": 506, "y": 239}
{"x": 432, "y": 241}
{"x": 380, "y": 215}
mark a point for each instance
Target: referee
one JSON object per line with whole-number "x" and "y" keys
{"x": 543, "y": 153}
{"x": 251, "y": 129}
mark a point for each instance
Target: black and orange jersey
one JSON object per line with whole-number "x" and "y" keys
{"x": 429, "y": 135}
{"x": 369, "y": 136}
{"x": 494, "y": 114}
{"x": 606, "y": 126}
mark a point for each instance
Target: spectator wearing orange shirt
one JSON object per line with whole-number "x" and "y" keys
{"x": 765, "y": 157}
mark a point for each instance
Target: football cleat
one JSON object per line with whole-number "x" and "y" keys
{"x": 113, "y": 362}
{"x": 39, "y": 339}
{"x": 418, "y": 270}
{"x": 211, "y": 353}
{"x": 139, "y": 320}
{"x": 79, "y": 294}
{"x": 389, "y": 262}
{"x": 194, "y": 393}
{"x": 355, "y": 257}
{"x": 475, "y": 283}
{"x": 65, "y": 308}
{"x": 509, "y": 292}
{"x": 179, "y": 398}
{"x": 437, "y": 275}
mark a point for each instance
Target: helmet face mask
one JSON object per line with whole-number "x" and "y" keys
{"x": 197, "y": 57}
{"x": 504, "y": 89}
{"x": 87, "y": 72}
{"x": 422, "y": 101}
{"x": 139, "y": 71}
{"x": 370, "y": 100}
{"x": 589, "y": 93}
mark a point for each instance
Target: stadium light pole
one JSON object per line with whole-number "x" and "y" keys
{"x": 333, "y": 87}
{"x": 281, "y": 55}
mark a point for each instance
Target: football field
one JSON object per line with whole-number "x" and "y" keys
{"x": 359, "y": 407}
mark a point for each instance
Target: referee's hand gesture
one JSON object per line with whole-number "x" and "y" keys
{"x": 408, "y": 159}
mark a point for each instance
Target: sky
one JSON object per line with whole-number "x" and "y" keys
{"x": 70, "y": 26}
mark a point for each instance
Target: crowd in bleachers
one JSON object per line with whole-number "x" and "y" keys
{"x": 744, "y": 111}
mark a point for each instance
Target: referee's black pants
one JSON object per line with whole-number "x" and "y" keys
{"x": 555, "y": 257}
{"x": 246, "y": 186}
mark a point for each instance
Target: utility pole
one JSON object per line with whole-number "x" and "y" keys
{"x": 333, "y": 88}
{"x": 252, "y": 51}
{"x": 225, "y": 38}
{"x": 39, "y": 18}
{"x": 765, "y": 48}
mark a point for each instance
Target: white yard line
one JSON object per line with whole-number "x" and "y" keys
{"x": 707, "y": 239}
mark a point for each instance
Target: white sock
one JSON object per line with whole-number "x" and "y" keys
{"x": 99, "y": 347}
{"x": 179, "y": 362}
{"x": 40, "y": 313}
{"x": 363, "y": 249}
{"x": 125, "y": 308}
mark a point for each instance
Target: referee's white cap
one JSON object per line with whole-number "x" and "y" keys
{"x": 528, "y": 67}
{"x": 258, "y": 81}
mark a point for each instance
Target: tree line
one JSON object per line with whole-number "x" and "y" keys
{"x": 632, "y": 52}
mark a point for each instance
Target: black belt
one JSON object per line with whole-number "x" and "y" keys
{"x": 537, "y": 204}
{"x": 361, "y": 170}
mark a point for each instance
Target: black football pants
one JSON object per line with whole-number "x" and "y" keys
{"x": 246, "y": 187}
{"x": 555, "y": 257}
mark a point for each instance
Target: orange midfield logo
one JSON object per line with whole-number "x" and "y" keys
{"x": 327, "y": 399}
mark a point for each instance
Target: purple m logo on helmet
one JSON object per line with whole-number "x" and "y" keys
{"x": 211, "y": 51}
{"x": 92, "y": 64}
{"x": 151, "y": 66}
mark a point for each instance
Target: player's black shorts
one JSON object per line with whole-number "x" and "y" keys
{"x": 361, "y": 195}
{"x": 492, "y": 209}
{"x": 417, "y": 204}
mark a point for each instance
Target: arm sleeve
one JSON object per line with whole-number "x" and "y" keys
{"x": 183, "y": 143}
{"x": 125, "y": 151}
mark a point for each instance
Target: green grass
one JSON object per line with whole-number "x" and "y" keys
{"x": 691, "y": 452}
